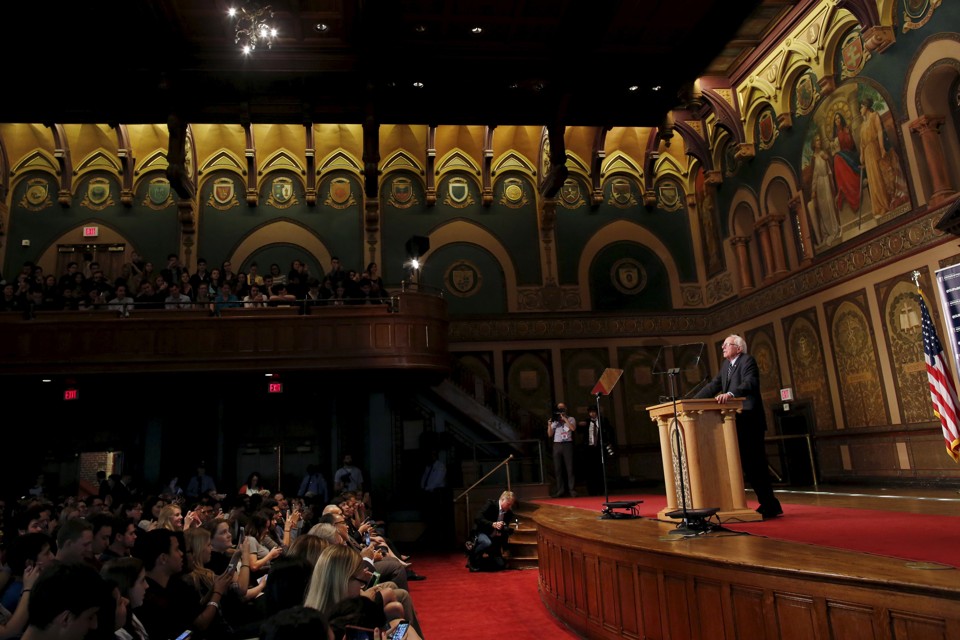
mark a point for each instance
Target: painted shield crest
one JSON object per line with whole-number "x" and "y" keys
{"x": 282, "y": 190}
{"x": 463, "y": 279}
{"x": 570, "y": 191}
{"x": 628, "y": 276}
{"x": 158, "y": 191}
{"x": 223, "y": 190}
{"x": 669, "y": 196}
{"x": 852, "y": 53}
{"x": 340, "y": 190}
{"x": 37, "y": 193}
{"x": 622, "y": 191}
{"x": 513, "y": 190}
{"x": 458, "y": 190}
{"x": 402, "y": 190}
{"x": 98, "y": 190}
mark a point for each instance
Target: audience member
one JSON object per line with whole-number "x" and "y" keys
{"x": 64, "y": 603}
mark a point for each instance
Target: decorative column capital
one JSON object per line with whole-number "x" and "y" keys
{"x": 926, "y": 124}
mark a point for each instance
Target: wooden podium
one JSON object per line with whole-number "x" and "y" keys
{"x": 711, "y": 458}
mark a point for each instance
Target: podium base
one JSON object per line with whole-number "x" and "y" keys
{"x": 723, "y": 515}
{"x": 631, "y": 512}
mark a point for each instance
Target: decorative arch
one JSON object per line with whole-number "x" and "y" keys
{"x": 620, "y": 162}
{"x": 617, "y": 231}
{"x": 513, "y": 161}
{"x": 99, "y": 160}
{"x": 576, "y": 164}
{"x": 744, "y": 196}
{"x": 282, "y": 160}
{"x": 224, "y": 159}
{"x": 457, "y": 160}
{"x": 39, "y": 160}
{"x": 267, "y": 234}
{"x": 108, "y": 235}
{"x": 753, "y": 115}
{"x": 401, "y": 160}
{"x": 455, "y": 231}
{"x": 339, "y": 160}
{"x": 838, "y": 22}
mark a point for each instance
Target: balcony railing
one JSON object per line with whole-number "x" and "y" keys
{"x": 407, "y": 332}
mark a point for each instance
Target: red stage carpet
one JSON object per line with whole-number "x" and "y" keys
{"x": 910, "y": 536}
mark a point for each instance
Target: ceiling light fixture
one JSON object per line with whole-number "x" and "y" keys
{"x": 321, "y": 27}
{"x": 253, "y": 26}
{"x": 418, "y": 85}
{"x": 477, "y": 30}
{"x": 633, "y": 87}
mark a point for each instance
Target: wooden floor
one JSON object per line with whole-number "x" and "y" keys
{"x": 944, "y": 501}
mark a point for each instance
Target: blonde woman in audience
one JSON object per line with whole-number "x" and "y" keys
{"x": 205, "y": 584}
{"x": 171, "y": 517}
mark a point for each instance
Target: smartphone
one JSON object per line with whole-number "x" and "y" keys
{"x": 366, "y": 539}
{"x": 185, "y": 635}
{"x": 358, "y": 633}
{"x": 240, "y": 536}
{"x": 400, "y": 631}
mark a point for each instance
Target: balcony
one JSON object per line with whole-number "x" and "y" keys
{"x": 409, "y": 333}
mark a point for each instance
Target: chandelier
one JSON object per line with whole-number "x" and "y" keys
{"x": 253, "y": 26}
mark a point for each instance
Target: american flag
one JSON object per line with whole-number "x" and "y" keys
{"x": 942, "y": 390}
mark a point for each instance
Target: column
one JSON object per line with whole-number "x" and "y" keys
{"x": 928, "y": 128}
{"x": 741, "y": 247}
{"x": 806, "y": 241}
{"x": 766, "y": 250}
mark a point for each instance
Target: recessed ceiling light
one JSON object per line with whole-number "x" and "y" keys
{"x": 420, "y": 28}
{"x": 633, "y": 87}
{"x": 418, "y": 85}
{"x": 321, "y": 27}
{"x": 477, "y": 30}
{"x": 656, "y": 88}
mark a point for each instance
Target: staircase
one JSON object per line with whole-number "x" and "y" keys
{"x": 521, "y": 553}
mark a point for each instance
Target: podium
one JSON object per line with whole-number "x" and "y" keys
{"x": 710, "y": 457}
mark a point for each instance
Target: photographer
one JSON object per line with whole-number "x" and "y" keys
{"x": 492, "y": 531}
{"x": 560, "y": 429}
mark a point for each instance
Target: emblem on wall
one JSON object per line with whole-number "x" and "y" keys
{"x": 223, "y": 196}
{"x": 340, "y": 194}
{"x": 37, "y": 195}
{"x": 916, "y": 13}
{"x": 514, "y": 195}
{"x": 570, "y": 197}
{"x": 853, "y": 55}
{"x": 458, "y": 193}
{"x": 668, "y": 196}
{"x": 97, "y": 197}
{"x": 621, "y": 193}
{"x": 281, "y": 193}
{"x": 806, "y": 94}
{"x": 402, "y": 195}
{"x": 463, "y": 279}
{"x": 158, "y": 194}
{"x": 628, "y": 276}
{"x": 767, "y": 128}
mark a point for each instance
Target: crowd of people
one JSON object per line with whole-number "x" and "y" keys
{"x": 139, "y": 285}
{"x": 191, "y": 562}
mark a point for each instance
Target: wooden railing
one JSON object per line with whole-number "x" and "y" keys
{"x": 410, "y": 333}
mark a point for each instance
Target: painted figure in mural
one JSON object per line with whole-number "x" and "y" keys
{"x": 872, "y": 151}
{"x": 846, "y": 164}
{"x": 822, "y": 195}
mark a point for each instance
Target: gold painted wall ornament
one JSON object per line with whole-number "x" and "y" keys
{"x": 223, "y": 196}
{"x": 340, "y": 194}
{"x": 621, "y": 193}
{"x": 853, "y": 55}
{"x": 767, "y": 128}
{"x": 806, "y": 93}
{"x": 628, "y": 276}
{"x": 514, "y": 194}
{"x": 37, "y": 196}
{"x": 281, "y": 193}
{"x": 917, "y": 13}
{"x": 458, "y": 193}
{"x": 463, "y": 279}
{"x": 158, "y": 194}
{"x": 570, "y": 197}
{"x": 97, "y": 197}
{"x": 402, "y": 195}
{"x": 668, "y": 196}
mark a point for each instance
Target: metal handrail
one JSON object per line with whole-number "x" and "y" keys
{"x": 466, "y": 492}
{"x": 495, "y": 399}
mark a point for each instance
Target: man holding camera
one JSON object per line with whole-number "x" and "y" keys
{"x": 560, "y": 429}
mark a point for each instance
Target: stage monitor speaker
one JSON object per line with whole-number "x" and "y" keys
{"x": 417, "y": 246}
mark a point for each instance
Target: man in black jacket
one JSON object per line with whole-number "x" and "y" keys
{"x": 739, "y": 377}
{"x": 492, "y": 533}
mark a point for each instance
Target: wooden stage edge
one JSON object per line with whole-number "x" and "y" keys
{"x": 630, "y": 579}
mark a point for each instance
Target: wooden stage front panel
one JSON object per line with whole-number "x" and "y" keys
{"x": 630, "y": 579}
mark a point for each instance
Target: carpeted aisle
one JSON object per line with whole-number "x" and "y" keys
{"x": 454, "y": 603}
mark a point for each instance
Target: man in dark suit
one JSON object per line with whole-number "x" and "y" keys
{"x": 739, "y": 377}
{"x": 492, "y": 533}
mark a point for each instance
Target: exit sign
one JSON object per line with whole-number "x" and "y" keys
{"x": 91, "y": 232}
{"x": 275, "y": 387}
{"x": 70, "y": 394}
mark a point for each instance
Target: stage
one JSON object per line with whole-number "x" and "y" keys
{"x": 629, "y": 578}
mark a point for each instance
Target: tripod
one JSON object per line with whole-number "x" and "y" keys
{"x": 692, "y": 521}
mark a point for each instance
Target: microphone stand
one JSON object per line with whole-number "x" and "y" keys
{"x": 692, "y": 521}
